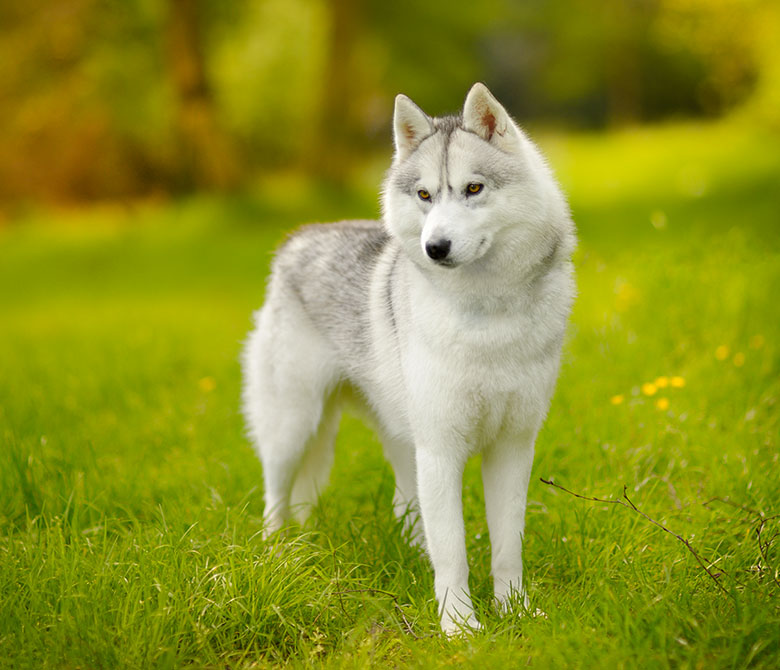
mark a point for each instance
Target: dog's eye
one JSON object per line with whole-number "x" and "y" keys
{"x": 424, "y": 195}
{"x": 473, "y": 189}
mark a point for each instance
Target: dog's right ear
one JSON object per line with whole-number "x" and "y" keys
{"x": 411, "y": 126}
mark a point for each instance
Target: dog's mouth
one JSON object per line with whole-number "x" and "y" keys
{"x": 446, "y": 263}
{"x": 449, "y": 262}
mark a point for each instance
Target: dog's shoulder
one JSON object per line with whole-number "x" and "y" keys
{"x": 327, "y": 268}
{"x": 345, "y": 234}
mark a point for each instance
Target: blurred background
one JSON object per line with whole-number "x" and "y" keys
{"x": 107, "y": 99}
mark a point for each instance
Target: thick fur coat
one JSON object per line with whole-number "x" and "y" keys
{"x": 444, "y": 321}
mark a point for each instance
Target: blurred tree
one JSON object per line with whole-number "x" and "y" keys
{"x": 765, "y": 102}
{"x": 722, "y": 35}
{"x": 333, "y": 140}
{"x": 432, "y": 51}
{"x": 206, "y": 154}
{"x": 56, "y": 136}
{"x": 266, "y": 62}
{"x": 107, "y": 98}
{"x": 622, "y": 26}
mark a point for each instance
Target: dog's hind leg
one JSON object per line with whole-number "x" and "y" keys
{"x": 314, "y": 469}
{"x": 289, "y": 375}
{"x": 287, "y": 451}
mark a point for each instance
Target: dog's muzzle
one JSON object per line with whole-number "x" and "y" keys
{"x": 438, "y": 250}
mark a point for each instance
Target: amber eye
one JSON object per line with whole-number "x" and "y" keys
{"x": 473, "y": 189}
{"x": 424, "y": 195}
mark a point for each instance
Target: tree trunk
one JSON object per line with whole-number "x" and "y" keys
{"x": 335, "y": 128}
{"x": 623, "y": 75}
{"x": 206, "y": 156}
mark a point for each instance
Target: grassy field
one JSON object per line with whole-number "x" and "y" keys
{"x": 131, "y": 503}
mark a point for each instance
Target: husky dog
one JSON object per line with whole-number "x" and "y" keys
{"x": 444, "y": 320}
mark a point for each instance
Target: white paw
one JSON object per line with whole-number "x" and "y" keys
{"x": 510, "y": 599}
{"x": 271, "y": 525}
{"x": 460, "y": 627}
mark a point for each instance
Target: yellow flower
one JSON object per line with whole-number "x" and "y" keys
{"x": 649, "y": 388}
{"x": 662, "y": 382}
{"x": 722, "y": 352}
{"x": 757, "y": 341}
{"x": 658, "y": 219}
{"x": 739, "y": 359}
{"x": 677, "y": 382}
{"x": 626, "y": 295}
{"x": 662, "y": 403}
{"x": 207, "y": 384}
{"x": 617, "y": 399}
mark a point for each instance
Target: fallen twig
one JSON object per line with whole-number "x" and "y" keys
{"x": 763, "y": 544}
{"x": 406, "y": 623}
{"x": 731, "y": 503}
{"x": 626, "y": 502}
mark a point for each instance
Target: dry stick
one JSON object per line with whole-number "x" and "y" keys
{"x": 763, "y": 547}
{"x": 763, "y": 544}
{"x": 628, "y": 504}
{"x": 407, "y": 624}
{"x": 726, "y": 501}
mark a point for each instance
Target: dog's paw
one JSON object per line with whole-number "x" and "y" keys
{"x": 511, "y": 600}
{"x": 460, "y": 627}
{"x": 271, "y": 527}
{"x": 520, "y": 606}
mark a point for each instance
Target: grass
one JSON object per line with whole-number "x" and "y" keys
{"x": 130, "y": 502}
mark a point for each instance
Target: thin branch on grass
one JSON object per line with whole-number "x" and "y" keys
{"x": 727, "y": 501}
{"x": 626, "y": 502}
{"x": 406, "y": 623}
{"x": 763, "y": 547}
{"x": 763, "y": 544}
{"x": 341, "y": 600}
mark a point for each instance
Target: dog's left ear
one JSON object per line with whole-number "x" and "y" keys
{"x": 485, "y": 116}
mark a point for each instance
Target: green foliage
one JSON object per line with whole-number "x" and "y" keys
{"x": 130, "y": 500}
{"x": 267, "y": 71}
{"x": 102, "y": 99}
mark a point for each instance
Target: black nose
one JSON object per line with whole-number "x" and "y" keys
{"x": 437, "y": 250}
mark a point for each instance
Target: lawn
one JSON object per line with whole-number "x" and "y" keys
{"x": 131, "y": 502}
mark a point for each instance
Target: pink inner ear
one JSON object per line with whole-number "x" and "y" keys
{"x": 489, "y": 122}
{"x": 409, "y": 133}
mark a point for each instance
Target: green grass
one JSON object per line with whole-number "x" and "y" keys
{"x": 130, "y": 501}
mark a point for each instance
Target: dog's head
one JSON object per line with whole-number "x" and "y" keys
{"x": 459, "y": 183}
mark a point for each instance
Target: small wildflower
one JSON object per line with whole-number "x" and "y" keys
{"x": 617, "y": 399}
{"x": 649, "y": 388}
{"x": 739, "y": 359}
{"x": 207, "y": 384}
{"x": 677, "y": 382}
{"x": 722, "y": 352}
{"x": 659, "y": 219}
{"x": 757, "y": 341}
{"x": 662, "y": 403}
{"x": 626, "y": 295}
{"x": 662, "y": 382}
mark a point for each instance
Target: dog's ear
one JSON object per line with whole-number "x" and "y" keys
{"x": 410, "y": 126}
{"x": 485, "y": 116}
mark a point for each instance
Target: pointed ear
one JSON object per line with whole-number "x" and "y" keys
{"x": 410, "y": 126}
{"x": 485, "y": 116}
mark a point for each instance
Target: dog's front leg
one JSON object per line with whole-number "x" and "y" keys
{"x": 439, "y": 484}
{"x": 506, "y": 471}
